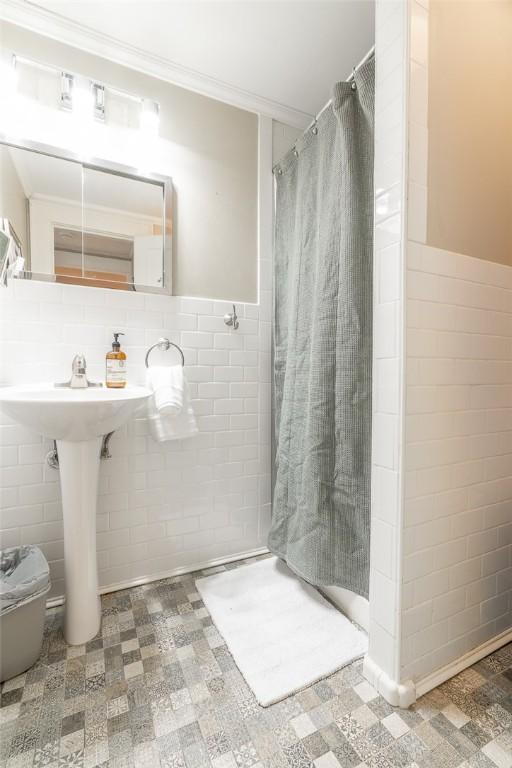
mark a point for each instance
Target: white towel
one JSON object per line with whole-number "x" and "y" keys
{"x": 167, "y": 383}
{"x": 165, "y": 427}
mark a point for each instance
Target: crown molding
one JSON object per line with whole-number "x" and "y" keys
{"x": 53, "y": 25}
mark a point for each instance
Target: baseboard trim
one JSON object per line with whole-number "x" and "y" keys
{"x": 404, "y": 694}
{"x": 426, "y": 684}
{"x": 140, "y": 580}
{"x": 397, "y": 694}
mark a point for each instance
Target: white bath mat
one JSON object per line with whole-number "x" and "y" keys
{"x": 283, "y": 634}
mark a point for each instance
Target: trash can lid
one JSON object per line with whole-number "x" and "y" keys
{"x": 24, "y": 573}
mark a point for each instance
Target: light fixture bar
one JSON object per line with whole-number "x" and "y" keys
{"x": 149, "y": 109}
{"x": 72, "y": 75}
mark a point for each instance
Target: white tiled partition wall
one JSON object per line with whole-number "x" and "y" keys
{"x": 458, "y": 510}
{"x": 382, "y": 664}
{"x": 163, "y": 508}
{"x": 441, "y": 569}
{"x": 457, "y": 571}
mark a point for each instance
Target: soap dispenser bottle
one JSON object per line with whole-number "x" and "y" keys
{"x": 116, "y": 365}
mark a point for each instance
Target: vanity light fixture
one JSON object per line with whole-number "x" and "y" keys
{"x": 83, "y": 97}
{"x": 80, "y": 95}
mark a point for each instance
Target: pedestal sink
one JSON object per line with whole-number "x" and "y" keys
{"x": 77, "y": 419}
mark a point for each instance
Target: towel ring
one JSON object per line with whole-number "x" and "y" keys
{"x": 164, "y": 345}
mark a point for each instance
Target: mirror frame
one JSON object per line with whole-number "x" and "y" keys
{"x": 116, "y": 169}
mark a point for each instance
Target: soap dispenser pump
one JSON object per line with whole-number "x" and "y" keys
{"x": 116, "y": 365}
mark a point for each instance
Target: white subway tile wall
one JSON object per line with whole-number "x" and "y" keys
{"x": 458, "y": 511}
{"x": 457, "y": 539}
{"x": 162, "y": 507}
{"x": 389, "y": 178}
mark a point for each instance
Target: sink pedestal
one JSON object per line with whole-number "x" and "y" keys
{"x": 79, "y": 464}
{"x": 76, "y": 419}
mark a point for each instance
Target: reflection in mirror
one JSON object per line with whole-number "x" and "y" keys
{"x": 131, "y": 212}
{"x": 86, "y": 225}
{"x": 39, "y": 191}
{"x": 105, "y": 259}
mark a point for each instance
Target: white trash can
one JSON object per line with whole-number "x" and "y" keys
{"x": 24, "y": 584}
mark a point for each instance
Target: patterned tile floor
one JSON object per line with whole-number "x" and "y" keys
{"x": 159, "y": 688}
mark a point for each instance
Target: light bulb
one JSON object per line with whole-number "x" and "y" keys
{"x": 83, "y": 100}
{"x": 149, "y": 117}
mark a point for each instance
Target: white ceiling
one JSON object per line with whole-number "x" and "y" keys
{"x": 286, "y": 52}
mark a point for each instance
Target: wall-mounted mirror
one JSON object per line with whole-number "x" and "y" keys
{"x": 94, "y": 224}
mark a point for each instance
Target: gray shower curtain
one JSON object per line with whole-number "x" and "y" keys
{"x": 322, "y": 344}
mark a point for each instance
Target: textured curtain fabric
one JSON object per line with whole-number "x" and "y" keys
{"x": 322, "y": 344}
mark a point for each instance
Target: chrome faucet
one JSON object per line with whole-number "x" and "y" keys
{"x": 79, "y": 378}
{"x": 78, "y": 373}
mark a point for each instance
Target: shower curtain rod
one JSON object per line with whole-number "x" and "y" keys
{"x": 365, "y": 58}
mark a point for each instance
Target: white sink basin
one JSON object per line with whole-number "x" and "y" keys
{"x": 61, "y": 413}
{"x": 77, "y": 419}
